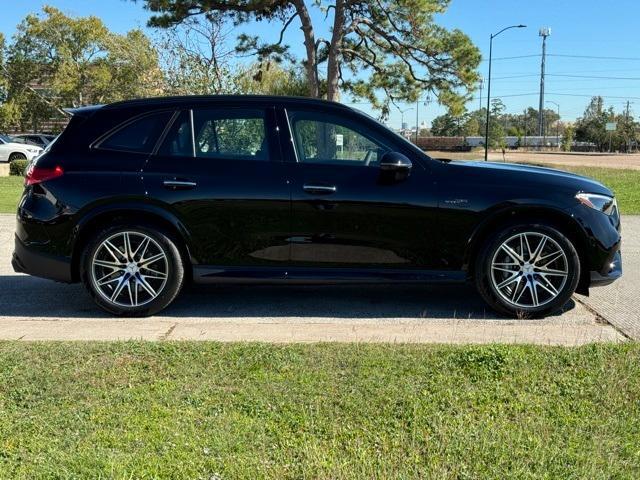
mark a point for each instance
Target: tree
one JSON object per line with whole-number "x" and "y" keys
{"x": 376, "y": 46}
{"x": 567, "y": 140}
{"x": 591, "y": 126}
{"x": 196, "y": 56}
{"x": 270, "y": 78}
{"x": 58, "y": 61}
{"x": 496, "y": 130}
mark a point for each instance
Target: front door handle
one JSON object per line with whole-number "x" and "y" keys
{"x": 319, "y": 189}
{"x": 179, "y": 184}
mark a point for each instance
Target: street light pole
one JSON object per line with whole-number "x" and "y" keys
{"x": 557, "y": 122}
{"x": 486, "y": 127}
{"x": 402, "y": 112}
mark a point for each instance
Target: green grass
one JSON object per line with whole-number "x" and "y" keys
{"x": 625, "y": 184}
{"x": 210, "y": 410}
{"x": 10, "y": 190}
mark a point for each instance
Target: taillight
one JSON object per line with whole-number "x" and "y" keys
{"x": 37, "y": 174}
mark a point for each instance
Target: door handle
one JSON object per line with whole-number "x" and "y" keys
{"x": 179, "y": 184}
{"x": 319, "y": 189}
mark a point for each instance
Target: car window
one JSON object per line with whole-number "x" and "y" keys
{"x": 237, "y": 134}
{"x": 138, "y": 136}
{"x": 178, "y": 141}
{"x": 322, "y": 138}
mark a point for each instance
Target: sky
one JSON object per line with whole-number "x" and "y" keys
{"x": 579, "y": 29}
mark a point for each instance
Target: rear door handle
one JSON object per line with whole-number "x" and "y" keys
{"x": 319, "y": 189}
{"x": 179, "y": 184}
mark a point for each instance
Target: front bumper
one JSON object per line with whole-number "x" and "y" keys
{"x": 26, "y": 260}
{"x": 600, "y": 279}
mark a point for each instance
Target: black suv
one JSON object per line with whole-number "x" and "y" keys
{"x": 138, "y": 197}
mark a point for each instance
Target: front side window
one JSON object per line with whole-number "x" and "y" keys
{"x": 322, "y": 138}
{"x": 139, "y": 136}
{"x": 230, "y": 134}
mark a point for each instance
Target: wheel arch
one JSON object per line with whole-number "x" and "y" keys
{"x": 148, "y": 215}
{"x": 559, "y": 219}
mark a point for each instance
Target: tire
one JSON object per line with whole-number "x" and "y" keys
{"x": 146, "y": 286}
{"x": 17, "y": 156}
{"x": 532, "y": 285}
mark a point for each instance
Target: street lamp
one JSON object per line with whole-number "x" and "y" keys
{"x": 557, "y": 122}
{"x": 427, "y": 100}
{"x": 486, "y": 127}
{"x": 402, "y": 112}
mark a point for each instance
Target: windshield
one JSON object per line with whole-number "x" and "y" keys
{"x": 5, "y": 139}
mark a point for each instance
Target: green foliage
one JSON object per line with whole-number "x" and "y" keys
{"x": 349, "y": 411}
{"x": 567, "y": 140}
{"x": 10, "y": 189}
{"x": 18, "y": 167}
{"x": 59, "y": 61}
{"x": 390, "y": 47}
{"x": 270, "y": 78}
{"x": 496, "y": 129}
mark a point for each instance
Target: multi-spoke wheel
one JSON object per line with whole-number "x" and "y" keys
{"x": 133, "y": 271}
{"x": 528, "y": 270}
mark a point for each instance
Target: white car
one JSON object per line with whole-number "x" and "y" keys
{"x": 10, "y": 150}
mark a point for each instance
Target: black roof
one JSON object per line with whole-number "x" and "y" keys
{"x": 190, "y": 99}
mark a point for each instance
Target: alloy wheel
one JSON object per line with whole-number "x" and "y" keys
{"x": 529, "y": 269}
{"x": 129, "y": 269}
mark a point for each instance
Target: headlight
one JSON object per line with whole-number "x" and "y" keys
{"x": 602, "y": 203}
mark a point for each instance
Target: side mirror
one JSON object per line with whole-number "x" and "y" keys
{"x": 394, "y": 167}
{"x": 395, "y": 162}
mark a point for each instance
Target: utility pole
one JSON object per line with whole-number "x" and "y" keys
{"x": 426, "y": 104}
{"x": 544, "y": 33}
{"x": 626, "y": 128}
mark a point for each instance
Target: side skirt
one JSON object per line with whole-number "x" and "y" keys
{"x": 310, "y": 276}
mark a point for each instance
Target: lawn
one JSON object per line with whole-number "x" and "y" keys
{"x": 210, "y": 410}
{"x": 10, "y": 190}
{"x": 625, "y": 184}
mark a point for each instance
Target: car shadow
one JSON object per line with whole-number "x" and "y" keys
{"x": 35, "y": 298}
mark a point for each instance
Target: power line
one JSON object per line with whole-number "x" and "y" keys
{"x": 592, "y": 76}
{"x": 593, "y": 57}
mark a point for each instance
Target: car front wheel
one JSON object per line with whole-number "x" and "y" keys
{"x": 527, "y": 270}
{"x": 133, "y": 271}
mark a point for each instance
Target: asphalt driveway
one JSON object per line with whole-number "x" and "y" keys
{"x": 37, "y": 309}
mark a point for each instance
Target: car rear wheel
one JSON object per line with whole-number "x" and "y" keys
{"x": 527, "y": 270}
{"x": 133, "y": 271}
{"x": 17, "y": 156}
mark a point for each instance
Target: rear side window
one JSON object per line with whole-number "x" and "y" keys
{"x": 230, "y": 134}
{"x": 139, "y": 135}
{"x": 179, "y": 139}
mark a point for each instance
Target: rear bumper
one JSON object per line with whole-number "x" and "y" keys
{"x": 600, "y": 279}
{"x": 32, "y": 262}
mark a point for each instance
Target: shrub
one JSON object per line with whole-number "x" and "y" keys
{"x": 18, "y": 167}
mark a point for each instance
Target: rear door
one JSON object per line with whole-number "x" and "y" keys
{"x": 219, "y": 170}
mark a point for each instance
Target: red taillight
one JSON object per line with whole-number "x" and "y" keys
{"x": 37, "y": 174}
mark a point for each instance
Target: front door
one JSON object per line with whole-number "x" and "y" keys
{"x": 345, "y": 212}
{"x": 219, "y": 171}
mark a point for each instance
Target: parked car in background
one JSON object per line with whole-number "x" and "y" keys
{"x": 137, "y": 197}
{"x": 11, "y": 150}
{"x": 38, "y": 139}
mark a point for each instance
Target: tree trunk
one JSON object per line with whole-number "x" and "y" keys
{"x": 310, "y": 45}
{"x": 333, "y": 72}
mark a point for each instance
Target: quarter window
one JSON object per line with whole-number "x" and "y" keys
{"x": 138, "y": 136}
{"x": 327, "y": 139}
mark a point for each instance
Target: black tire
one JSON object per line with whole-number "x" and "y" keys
{"x": 165, "y": 294}
{"x": 17, "y": 156}
{"x": 496, "y": 298}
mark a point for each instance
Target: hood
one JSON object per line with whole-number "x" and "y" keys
{"x": 529, "y": 174}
